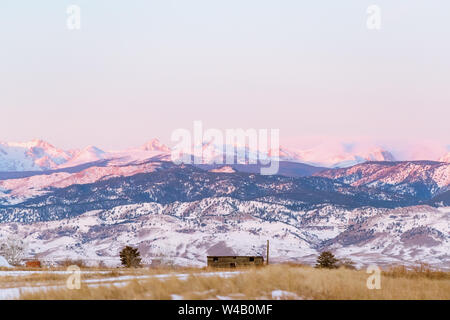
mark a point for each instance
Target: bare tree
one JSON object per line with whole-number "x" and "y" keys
{"x": 13, "y": 250}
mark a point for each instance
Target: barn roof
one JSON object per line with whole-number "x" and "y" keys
{"x": 234, "y": 256}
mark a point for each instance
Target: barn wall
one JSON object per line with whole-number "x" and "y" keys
{"x": 234, "y": 261}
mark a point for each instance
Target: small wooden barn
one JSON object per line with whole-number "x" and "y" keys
{"x": 33, "y": 264}
{"x": 234, "y": 261}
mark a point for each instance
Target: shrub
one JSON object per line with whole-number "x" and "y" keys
{"x": 13, "y": 250}
{"x": 71, "y": 262}
{"x": 346, "y": 263}
{"x": 130, "y": 257}
{"x": 327, "y": 260}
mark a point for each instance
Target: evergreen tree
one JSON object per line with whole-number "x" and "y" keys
{"x": 327, "y": 260}
{"x": 130, "y": 257}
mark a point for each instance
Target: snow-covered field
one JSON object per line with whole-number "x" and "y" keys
{"x": 9, "y": 289}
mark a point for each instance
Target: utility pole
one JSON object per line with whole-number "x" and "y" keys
{"x": 267, "y": 255}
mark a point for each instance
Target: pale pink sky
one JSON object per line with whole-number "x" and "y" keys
{"x": 143, "y": 69}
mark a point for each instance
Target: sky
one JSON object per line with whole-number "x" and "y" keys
{"x": 142, "y": 69}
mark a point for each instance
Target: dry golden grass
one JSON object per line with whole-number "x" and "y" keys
{"x": 38, "y": 277}
{"x": 303, "y": 282}
{"x": 48, "y": 278}
{"x": 422, "y": 271}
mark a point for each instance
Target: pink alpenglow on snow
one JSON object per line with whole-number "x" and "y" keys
{"x": 38, "y": 155}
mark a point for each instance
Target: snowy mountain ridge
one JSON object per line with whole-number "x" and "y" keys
{"x": 38, "y": 155}
{"x": 184, "y": 233}
{"x": 423, "y": 179}
{"x": 374, "y": 212}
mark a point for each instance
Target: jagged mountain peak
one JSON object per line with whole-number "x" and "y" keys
{"x": 30, "y": 144}
{"x": 155, "y": 145}
{"x": 30, "y": 156}
{"x": 445, "y": 158}
{"x": 85, "y": 155}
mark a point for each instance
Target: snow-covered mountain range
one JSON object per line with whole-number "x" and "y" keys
{"x": 184, "y": 233}
{"x": 38, "y": 155}
{"x": 31, "y": 156}
{"x": 89, "y": 203}
{"x": 422, "y": 179}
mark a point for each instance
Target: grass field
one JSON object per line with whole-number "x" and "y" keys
{"x": 272, "y": 282}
